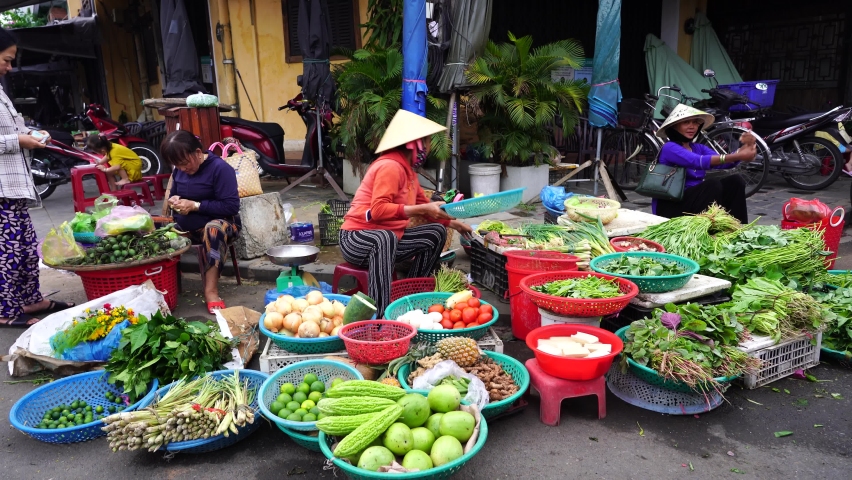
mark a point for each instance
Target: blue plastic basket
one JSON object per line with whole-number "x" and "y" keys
{"x": 425, "y": 300}
{"x": 764, "y": 96}
{"x": 308, "y": 345}
{"x": 651, "y": 284}
{"x": 486, "y": 204}
{"x": 325, "y": 370}
{"x": 218, "y": 442}
{"x": 555, "y": 213}
{"x": 90, "y": 387}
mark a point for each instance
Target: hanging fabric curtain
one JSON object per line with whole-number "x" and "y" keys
{"x": 471, "y": 25}
{"x": 605, "y": 92}
{"x": 183, "y": 71}
{"x": 314, "y": 33}
{"x": 666, "y": 68}
{"x": 708, "y": 52}
{"x": 414, "y": 56}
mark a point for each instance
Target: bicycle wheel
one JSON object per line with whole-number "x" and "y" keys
{"x": 820, "y": 161}
{"x": 626, "y": 153}
{"x": 726, "y": 139}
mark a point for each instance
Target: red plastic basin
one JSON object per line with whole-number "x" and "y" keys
{"x": 634, "y": 241}
{"x": 574, "y": 368}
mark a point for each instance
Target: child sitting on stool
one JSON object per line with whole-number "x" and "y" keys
{"x": 117, "y": 160}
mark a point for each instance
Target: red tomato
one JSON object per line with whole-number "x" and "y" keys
{"x": 458, "y": 325}
{"x": 446, "y": 314}
{"x": 436, "y": 308}
{"x": 447, "y": 324}
{"x": 460, "y": 306}
{"x": 484, "y": 318}
{"x": 455, "y": 316}
{"x": 469, "y": 315}
{"x": 473, "y": 302}
{"x": 486, "y": 309}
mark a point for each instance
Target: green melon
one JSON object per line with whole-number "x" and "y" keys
{"x": 361, "y": 307}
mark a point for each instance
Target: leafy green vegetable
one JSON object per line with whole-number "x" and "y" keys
{"x": 764, "y": 304}
{"x": 692, "y": 236}
{"x": 166, "y": 349}
{"x": 496, "y": 226}
{"x": 587, "y": 287}
{"x": 450, "y": 280}
{"x": 639, "y": 266}
{"x": 783, "y": 433}
{"x": 83, "y": 223}
{"x": 838, "y": 334}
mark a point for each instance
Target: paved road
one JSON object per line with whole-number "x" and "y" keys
{"x": 734, "y": 441}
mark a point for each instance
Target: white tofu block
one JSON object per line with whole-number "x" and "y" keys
{"x": 575, "y": 351}
{"x": 565, "y": 339}
{"x": 592, "y": 347}
{"x": 598, "y": 353}
{"x": 548, "y": 342}
{"x": 550, "y": 349}
{"x": 585, "y": 337}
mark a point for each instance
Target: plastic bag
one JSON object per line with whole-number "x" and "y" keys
{"x": 300, "y": 291}
{"x": 554, "y": 198}
{"x": 83, "y": 223}
{"x": 806, "y": 211}
{"x": 202, "y": 100}
{"x": 104, "y": 204}
{"x": 60, "y": 248}
{"x": 123, "y": 220}
{"x": 477, "y": 394}
{"x": 95, "y": 350}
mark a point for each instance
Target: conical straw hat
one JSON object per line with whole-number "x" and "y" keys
{"x": 683, "y": 112}
{"x": 406, "y": 127}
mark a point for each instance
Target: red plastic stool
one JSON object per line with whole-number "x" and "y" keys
{"x": 159, "y": 182}
{"x": 144, "y": 191}
{"x": 361, "y": 275}
{"x": 553, "y": 390}
{"x": 81, "y": 202}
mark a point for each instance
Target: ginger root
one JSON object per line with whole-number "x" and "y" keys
{"x": 499, "y": 384}
{"x": 425, "y": 364}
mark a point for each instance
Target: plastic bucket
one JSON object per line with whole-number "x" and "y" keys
{"x": 550, "y": 318}
{"x": 520, "y": 264}
{"x": 484, "y": 179}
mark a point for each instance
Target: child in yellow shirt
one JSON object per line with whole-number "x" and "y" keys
{"x": 117, "y": 160}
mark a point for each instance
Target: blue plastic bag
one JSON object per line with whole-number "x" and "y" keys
{"x": 554, "y": 198}
{"x": 297, "y": 292}
{"x": 96, "y": 350}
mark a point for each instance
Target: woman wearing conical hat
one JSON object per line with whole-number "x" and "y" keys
{"x": 374, "y": 233}
{"x": 680, "y": 128}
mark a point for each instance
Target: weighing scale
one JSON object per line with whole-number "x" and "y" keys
{"x": 294, "y": 256}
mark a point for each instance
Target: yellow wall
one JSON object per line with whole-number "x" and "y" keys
{"x": 260, "y": 57}
{"x": 687, "y": 10}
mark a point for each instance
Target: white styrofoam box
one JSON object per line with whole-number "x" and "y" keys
{"x": 698, "y": 286}
{"x": 550, "y": 318}
{"x": 629, "y": 222}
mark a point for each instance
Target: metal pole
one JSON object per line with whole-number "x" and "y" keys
{"x": 597, "y": 163}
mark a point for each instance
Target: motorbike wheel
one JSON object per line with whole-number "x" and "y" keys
{"x": 45, "y": 188}
{"x": 151, "y": 163}
{"x": 726, "y": 139}
{"x": 829, "y": 159}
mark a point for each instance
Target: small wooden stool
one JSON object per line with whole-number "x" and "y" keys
{"x": 553, "y": 390}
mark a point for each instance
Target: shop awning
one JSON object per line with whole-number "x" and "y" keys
{"x": 76, "y": 37}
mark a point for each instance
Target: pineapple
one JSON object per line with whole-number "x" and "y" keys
{"x": 391, "y": 381}
{"x": 461, "y": 350}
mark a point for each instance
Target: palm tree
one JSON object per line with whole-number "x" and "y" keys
{"x": 516, "y": 99}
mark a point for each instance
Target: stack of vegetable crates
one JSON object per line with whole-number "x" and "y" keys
{"x": 488, "y": 269}
{"x": 329, "y": 223}
{"x": 783, "y": 359}
{"x": 275, "y": 358}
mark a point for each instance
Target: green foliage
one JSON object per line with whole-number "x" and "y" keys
{"x": 384, "y": 24}
{"x": 369, "y": 90}
{"x": 23, "y": 19}
{"x": 516, "y": 97}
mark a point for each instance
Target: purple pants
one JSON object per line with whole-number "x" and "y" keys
{"x": 18, "y": 258}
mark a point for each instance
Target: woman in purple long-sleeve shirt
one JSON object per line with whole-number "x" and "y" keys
{"x": 680, "y": 128}
{"x": 206, "y": 204}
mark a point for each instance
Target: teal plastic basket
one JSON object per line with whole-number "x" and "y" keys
{"x": 444, "y": 471}
{"x": 651, "y": 376}
{"x": 301, "y": 439}
{"x": 86, "y": 237}
{"x": 423, "y": 301}
{"x": 514, "y": 368}
{"x": 307, "y": 345}
{"x": 661, "y": 284}
{"x": 836, "y": 355}
{"x": 325, "y": 370}
{"x": 486, "y": 204}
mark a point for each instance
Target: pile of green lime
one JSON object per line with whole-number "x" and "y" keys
{"x": 299, "y": 404}
{"x": 78, "y": 413}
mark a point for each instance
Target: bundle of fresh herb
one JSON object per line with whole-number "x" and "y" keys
{"x": 642, "y": 267}
{"x": 838, "y": 334}
{"x": 793, "y": 311}
{"x": 587, "y": 287}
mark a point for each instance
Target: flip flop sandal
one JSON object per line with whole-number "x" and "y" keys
{"x": 213, "y": 306}
{"x": 56, "y": 306}
{"x": 847, "y": 172}
{"x": 23, "y": 320}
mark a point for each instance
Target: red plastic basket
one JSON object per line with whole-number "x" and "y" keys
{"x": 832, "y": 230}
{"x": 633, "y": 241}
{"x": 574, "y": 368}
{"x": 578, "y": 307}
{"x": 410, "y": 286}
{"x": 376, "y": 342}
{"x": 540, "y": 260}
{"x": 163, "y": 274}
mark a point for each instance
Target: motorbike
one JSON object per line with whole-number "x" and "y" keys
{"x": 51, "y": 166}
{"x": 805, "y": 149}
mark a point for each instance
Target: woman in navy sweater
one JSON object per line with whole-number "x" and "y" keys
{"x": 205, "y": 203}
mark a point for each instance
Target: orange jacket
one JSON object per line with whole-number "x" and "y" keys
{"x": 379, "y": 204}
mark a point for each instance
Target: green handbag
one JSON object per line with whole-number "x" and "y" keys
{"x": 662, "y": 182}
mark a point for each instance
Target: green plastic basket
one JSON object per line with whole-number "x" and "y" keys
{"x": 307, "y": 345}
{"x": 444, "y": 471}
{"x": 302, "y": 440}
{"x": 661, "y": 284}
{"x": 425, "y": 300}
{"x": 836, "y": 355}
{"x": 486, "y": 204}
{"x": 514, "y": 368}
{"x": 651, "y": 376}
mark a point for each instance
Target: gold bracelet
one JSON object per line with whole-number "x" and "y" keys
{"x": 722, "y": 158}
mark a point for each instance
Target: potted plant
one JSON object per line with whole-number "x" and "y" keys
{"x": 515, "y": 99}
{"x": 369, "y": 91}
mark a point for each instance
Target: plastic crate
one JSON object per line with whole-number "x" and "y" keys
{"x": 764, "y": 97}
{"x": 154, "y": 133}
{"x": 488, "y": 269}
{"x": 163, "y": 274}
{"x": 329, "y": 223}
{"x": 783, "y": 359}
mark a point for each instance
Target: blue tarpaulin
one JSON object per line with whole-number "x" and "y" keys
{"x": 414, "y": 56}
{"x": 605, "y": 92}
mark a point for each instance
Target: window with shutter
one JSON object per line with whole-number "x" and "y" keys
{"x": 344, "y": 26}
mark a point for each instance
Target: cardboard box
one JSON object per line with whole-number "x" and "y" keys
{"x": 241, "y": 323}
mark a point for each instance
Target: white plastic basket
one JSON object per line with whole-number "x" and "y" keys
{"x": 550, "y": 318}
{"x": 782, "y": 360}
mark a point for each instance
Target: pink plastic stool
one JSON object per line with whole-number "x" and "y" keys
{"x": 144, "y": 191}
{"x": 553, "y": 390}
{"x": 361, "y": 275}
